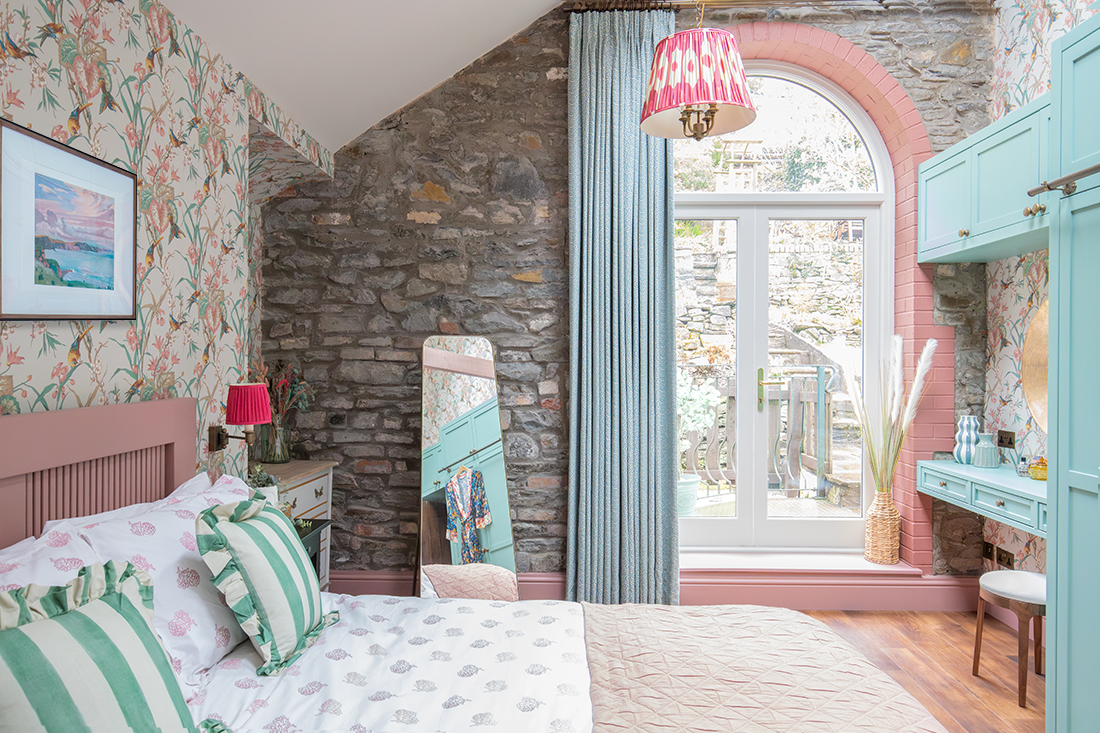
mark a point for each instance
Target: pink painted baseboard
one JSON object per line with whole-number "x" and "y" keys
{"x": 801, "y": 590}
{"x": 829, "y": 590}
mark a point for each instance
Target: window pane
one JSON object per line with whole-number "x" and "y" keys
{"x": 815, "y": 344}
{"x": 706, "y": 309}
{"x": 800, "y": 142}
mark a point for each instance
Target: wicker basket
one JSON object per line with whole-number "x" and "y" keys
{"x": 883, "y": 530}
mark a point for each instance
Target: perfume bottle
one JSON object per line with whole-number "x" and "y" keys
{"x": 1037, "y": 469}
{"x": 1021, "y": 467}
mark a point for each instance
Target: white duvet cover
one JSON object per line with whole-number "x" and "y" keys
{"x": 416, "y": 664}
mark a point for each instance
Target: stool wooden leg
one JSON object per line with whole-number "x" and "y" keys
{"x": 978, "y": 635}
{"x": 1024, "y": 624}
{"x": 1039, "y": 661}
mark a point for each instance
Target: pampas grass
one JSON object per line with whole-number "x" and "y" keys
{"x": 884, "y": 436}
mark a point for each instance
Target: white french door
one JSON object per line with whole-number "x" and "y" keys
{"x": 813, "y": 306}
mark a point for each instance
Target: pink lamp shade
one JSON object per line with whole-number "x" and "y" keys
{"x": 248, "y": 404}
{"x": 697, "y": 68}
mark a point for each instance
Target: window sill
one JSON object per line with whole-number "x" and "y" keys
{"x": 787, "y": 562}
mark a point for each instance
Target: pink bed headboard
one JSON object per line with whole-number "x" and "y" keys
{"x": 70, "y": 463}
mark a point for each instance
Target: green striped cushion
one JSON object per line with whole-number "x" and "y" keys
{"x": 84, "y": 656}
{"x": 267, "y": 578}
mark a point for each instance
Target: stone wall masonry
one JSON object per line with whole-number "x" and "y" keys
{"x": 448, "y": 217}
{"x": 451, "y": 217}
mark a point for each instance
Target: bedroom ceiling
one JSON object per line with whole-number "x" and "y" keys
{"x": 338, "y": 67}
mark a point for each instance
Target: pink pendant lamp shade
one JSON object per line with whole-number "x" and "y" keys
{"x": 697, "y": 86}
{"x": 248, "y": 404}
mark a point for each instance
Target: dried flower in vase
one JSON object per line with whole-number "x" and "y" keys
{"x": 286, "y": 387}
{"x": 884, "y": 433}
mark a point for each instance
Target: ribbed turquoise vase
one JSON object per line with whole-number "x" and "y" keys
{"x": 966, "y": 439}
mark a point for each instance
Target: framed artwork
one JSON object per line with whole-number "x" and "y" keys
{"x": 68, "y": 224}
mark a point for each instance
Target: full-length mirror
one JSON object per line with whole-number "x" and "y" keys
{"x": 465, "y": 517}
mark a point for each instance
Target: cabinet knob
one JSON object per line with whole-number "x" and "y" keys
{"x": 964, "y": 232}
{"x": 318, "y": 493}
{"x": 1039, "y": 208}
{"x": 1028, "y": 211}
{"x": 943, "y": 484}
{"x": 1000, "y": 502}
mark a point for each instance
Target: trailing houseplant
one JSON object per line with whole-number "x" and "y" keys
{"x": 884, "y": 427}
{"x": 695, "y": 404}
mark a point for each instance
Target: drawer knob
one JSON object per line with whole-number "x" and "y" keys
{"x": 943, "y": 484}
{"x": 318, "y": 493}
{"x": 1000, "y": 502}
{"x": 1028, "y": 211}
{"x": 964, "y": 232}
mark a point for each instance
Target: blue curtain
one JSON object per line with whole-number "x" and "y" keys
{"x": 622, "y": 508}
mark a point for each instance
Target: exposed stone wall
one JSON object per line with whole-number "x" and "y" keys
{"x": 450, "y": 216}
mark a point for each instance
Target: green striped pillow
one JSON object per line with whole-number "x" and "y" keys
{"x": 84, "y": 656}
{"x": 267, "y": 578}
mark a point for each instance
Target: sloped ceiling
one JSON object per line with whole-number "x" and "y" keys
{"x": 338, "y": 67}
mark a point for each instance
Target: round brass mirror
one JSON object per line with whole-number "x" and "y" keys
{"x": 1033, "y": 366}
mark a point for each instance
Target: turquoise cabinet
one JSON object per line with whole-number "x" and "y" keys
{"x": 1073, "y": 590}
{"x": 972, "y": 202}
{"x": 1072, "y": 586}
{"x": 1075, "y": 81}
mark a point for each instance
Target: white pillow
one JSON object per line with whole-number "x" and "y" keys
{"x": 52, "y": 559}
{"x": 189, "y": 613}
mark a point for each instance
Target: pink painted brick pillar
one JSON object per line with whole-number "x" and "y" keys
{"x": 902, "y": 129}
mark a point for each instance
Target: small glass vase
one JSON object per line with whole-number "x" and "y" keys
{"x": 275, "y": 443}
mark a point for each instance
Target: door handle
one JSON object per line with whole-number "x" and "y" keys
{"x": 761, "y": 383}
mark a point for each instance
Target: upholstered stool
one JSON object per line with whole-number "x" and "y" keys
{"x": 1025, "y": 594}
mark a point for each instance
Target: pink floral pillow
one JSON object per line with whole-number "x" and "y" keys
{"x": 189, "y": 613}
{"x": 52, "y": 559}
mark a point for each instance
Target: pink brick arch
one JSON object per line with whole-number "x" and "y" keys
{"x": 902, "y": 129}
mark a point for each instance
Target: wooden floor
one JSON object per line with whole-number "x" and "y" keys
{"x": 931, "y": 655}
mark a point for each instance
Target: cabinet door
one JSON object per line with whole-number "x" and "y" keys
{"x": 945, "y": 202}
{"x": 1006, "y": 165}
{"x": 1077, "y": 106}
{"x": 1073, "y": 495}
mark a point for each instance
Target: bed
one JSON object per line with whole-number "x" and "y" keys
{"x": 412, "y": 664}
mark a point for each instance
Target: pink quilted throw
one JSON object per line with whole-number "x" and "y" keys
{"x": 475, "y": 580}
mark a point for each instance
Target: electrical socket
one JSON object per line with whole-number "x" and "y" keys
{"x": 988, "y": 551}
{"x": 1006, "y": 439}
{"x": 1004, "y": 558}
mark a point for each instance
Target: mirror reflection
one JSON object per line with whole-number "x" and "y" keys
{"x": 465, "y": 517}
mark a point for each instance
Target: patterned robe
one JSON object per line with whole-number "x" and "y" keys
{"x": 467, "y": 512}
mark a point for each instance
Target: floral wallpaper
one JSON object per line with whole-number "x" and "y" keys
{"x": 125, "y": 81}
{"x": 1016, "y": 287}
{"x": 1025, "y": 29}
{"x": 447, "y": 395}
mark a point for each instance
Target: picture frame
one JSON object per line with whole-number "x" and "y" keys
{"x": 68, "y": 232}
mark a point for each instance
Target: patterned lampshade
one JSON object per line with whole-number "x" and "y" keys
{"x": 697, "y": 86}
{"x": 248, "y": 404}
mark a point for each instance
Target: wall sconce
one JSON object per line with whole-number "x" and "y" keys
{"x": 697, "y": 86}
{"x": 247, "y": 405}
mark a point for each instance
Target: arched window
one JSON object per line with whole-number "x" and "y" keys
{"x": 784, "y": 274}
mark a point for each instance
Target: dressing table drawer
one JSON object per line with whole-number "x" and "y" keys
{"x": 1004, "y": 504}
{"x": 934, "y": 482}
